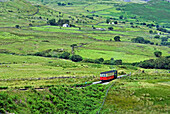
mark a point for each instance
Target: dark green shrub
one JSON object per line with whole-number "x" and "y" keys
{"x": 118, "y": 62}
{"x": 160, "y": 63}
{"x": 26, "y": 87}
{"x": 110, "y": 28}
{"x": 151, "y": 31}
{"x": 65, "y": 55}
{"x": 97, "y": 61}
{"x": 108, "y": 62}
{"x": 157, "y": 36}
{"x": 158, "y": 53}
{"x": 3, "y": 87}
{"x": 140, "y": 40}
{"x": 164, "y": 39}
{"x": 17, "y": 26}
{"x": 117, "y": 38}
{"x": 101, "y": 60}
{"x": 76, "y": 58}
{"x": 2, "y": 111}
{"x": 52, "y": 22}
{"x": 88, "y": 60}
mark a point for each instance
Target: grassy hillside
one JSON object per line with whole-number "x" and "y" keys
{"x": 139, "y": 94}
{"x": 156, "y": 10}
{"x": 38, "y": 71}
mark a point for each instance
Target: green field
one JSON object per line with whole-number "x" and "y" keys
{"x": 36, "y": 76}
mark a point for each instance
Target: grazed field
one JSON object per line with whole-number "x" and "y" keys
{"x": 31, "y": 53}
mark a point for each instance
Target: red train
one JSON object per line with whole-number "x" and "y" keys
{"x": 109, "y": 75}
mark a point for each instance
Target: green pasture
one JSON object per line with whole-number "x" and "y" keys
{"x": 138, "y": 94}
{"x": 145, "y": 91}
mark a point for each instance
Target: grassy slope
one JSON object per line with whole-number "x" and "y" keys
{"x": 159, "y": 9}
{"x": 139, "y": 94}
{"x": 30, "y": 40}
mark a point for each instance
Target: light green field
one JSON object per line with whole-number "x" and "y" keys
{"x": 22, "y": 66}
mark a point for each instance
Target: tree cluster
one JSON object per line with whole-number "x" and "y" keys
{"x": 163, "y": 29}
{"x": 102, "y": 61}
{"x": 160, "y": 63}
{"x": 141, "y": 40}
{"x": 64, "y": 4}
{"x": 76, "y": 58}
{"x": 58, "y": 54}
{"x": 60, "y": 22}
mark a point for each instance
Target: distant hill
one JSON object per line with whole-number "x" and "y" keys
{"x": 155, "y": 10}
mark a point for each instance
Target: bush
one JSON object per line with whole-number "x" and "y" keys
{"x": 101, "y": 59}
{"x": 140, "y": 40}
{"x": 117, "y": 38}
{"x": 118, "y": 62}
{"x": 27, "y": 87}
{"x": 110, "y": 28}
{"x": 97, "y": 61}
{"x": 17, "y": 26}
{"x": 65, "y": 55}
{"x": 88, "y": 60}
{"x": 40, "y": 54}
{"x": 3, "y": 87}
{"x": 63, "y": 21}
{"x": 165, "y": 43}
{"x": 107, "y": 62}
{"x": 157, "y": 36}
{"x": 164, "y": 39}
{"x": 2, "y": 111}
{"x": 160, "y": 63}
{"x": 151, "y": 31}
{"x": 158, "y": 53}
{"x": 115, "y": 22}
{"x": 76, "y": 58}
{"x": 52, "y": 22}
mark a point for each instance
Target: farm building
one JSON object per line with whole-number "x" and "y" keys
{"x": 66, "y": 25}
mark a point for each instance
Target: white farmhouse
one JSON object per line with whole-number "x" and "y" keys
{"x": 66, "y": 25}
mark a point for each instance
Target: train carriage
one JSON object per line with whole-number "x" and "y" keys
{"x": 109, "y": 75}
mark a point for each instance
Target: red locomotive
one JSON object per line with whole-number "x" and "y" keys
{"x": 109, "y": 75}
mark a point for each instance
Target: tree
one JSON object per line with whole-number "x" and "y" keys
{"x": 157, "y": 36}
{"x": 65, "y": 55}
{"x": 52, "y": 22}
{"x": 76, "y": 58}
{"x": 101, "y": 59}
{"x": 131, "y": 23}
{"x": 158, "y": 53}
{"x": 63, "y": 21}
{"x": 117, "y": 38}
{"x": 107, "y": 21}
{"x": 151, "y": 31}
{"x": 93, "y": 27}
{"x": 138, "y": 40}
{"x": 115, "y": 22}
{"x": 121, "y": 17}
{"x": 164, "y": 39}
{"x": 17, "y": 26}
{"x": 118, "y": 62}
{"x": 110, "y": 28}
{"x": 73, "y": 45}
